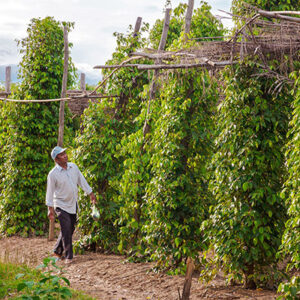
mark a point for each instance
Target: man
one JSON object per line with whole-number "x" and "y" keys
{"x": 62, "y": 196}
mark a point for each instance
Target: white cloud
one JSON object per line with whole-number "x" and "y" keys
{"x": 95, "y": 22}
{"x": 88, "y": 69}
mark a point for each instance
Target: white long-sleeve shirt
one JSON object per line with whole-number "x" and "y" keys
{"x": 62, "y": 187}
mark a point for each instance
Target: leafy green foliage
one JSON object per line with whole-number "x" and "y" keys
{"x": 43, "y": 282}
{"x": 133, "y": 212}
{"x": 29, "y": 131}
{"x": 9, "y": 282}
{"x": 48, "y": 287}
{"x": 41, "y": 67}
{"x": 150, "y": 224}
{"x": 291, "y": 239}
{"x": 177, "y": 197}
{"x": 291, "y": 193}
{"x": 103, "y": 127}
{"x": 290, "y": 290}
{"x": 246, "y": 224}
{"x": 204, "y": 24}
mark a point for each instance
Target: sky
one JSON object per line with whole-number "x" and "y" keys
{"x": 95, "y": 23}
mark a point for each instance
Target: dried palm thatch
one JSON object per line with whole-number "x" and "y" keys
{"x": 258, "y": 36}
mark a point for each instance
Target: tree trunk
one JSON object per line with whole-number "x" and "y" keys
{"x": 249, "y": 282}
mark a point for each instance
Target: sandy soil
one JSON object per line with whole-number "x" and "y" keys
{"x": 108, "y": 277}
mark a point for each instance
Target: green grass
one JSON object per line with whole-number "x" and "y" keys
{"x": 9, "y": 283}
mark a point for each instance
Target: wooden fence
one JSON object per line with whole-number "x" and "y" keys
{"x": 76, "y": 106}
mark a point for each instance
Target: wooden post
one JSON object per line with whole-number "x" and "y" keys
{"x": 51, "y": 230}
{"x": 163, "y": 39}
{"x": 7, "y": 79}
{"x": 188, "y": 279}
{"x": 162, "y": 44}
{"x": 82, "y": 82}
{"x": 188, "y": 18}
{"x": 137, "y": 26}
{"x": 63, "y": 90}
{"x": 61, "y": 110}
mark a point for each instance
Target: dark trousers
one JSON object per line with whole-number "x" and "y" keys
{"x": 67, "y": 226}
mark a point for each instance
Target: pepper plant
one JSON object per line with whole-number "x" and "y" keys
{"x": 247, "y": 221}
{"x": 291, "y": 194}
{"x": 137, "y": 215}
{"x": 104, "y": 125}
{"x": 29, "y": 130}
{"x": 177, "y": 197}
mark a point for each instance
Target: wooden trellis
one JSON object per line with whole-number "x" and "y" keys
{"x": 276, "y": 39}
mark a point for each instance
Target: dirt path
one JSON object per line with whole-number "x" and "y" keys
{"x": 108, "y": 277}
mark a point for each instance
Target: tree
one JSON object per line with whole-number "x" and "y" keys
{"x": 30, "y": 129}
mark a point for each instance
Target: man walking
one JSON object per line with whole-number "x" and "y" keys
{"x": 62, "y": 196}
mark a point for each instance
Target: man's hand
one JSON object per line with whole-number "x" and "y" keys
{"x": 51, "y": 215}
{"x": 93, "y": 198}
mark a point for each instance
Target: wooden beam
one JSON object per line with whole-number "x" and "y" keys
{"x": 93, "y": 96}
{"x": 275, "y": 15}
{"x": 115, "y": 66}
{"x": 163, "y": 55}
{"x": 287, "y": 12}
{"x": 208, "y": 64}
{"x": 7, "y": 79}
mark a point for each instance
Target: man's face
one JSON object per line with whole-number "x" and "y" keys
{"x": 61, "y": 158}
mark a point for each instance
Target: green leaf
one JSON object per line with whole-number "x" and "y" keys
{"x": 20, "y": 275}
{"x": 22, "y": 286}
{"x": 245, "y": 186}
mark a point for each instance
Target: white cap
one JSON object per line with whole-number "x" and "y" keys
{"x": 57, "y": 150}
